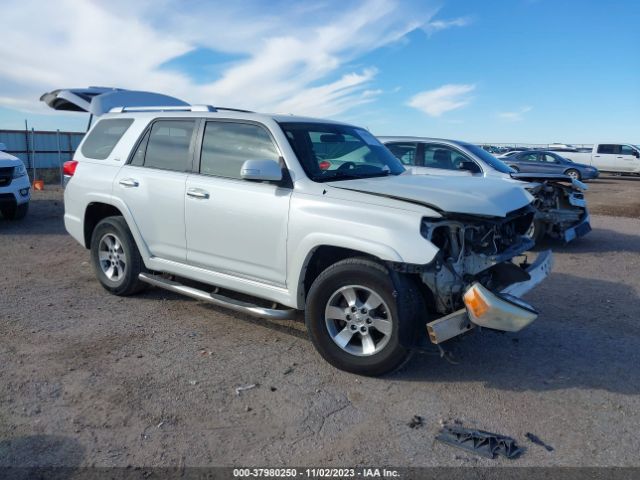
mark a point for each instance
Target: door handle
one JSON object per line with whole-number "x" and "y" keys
{"x": 596, "y": 156}
{"x": 129, "y": 182}
{"x": 198, "y": 193}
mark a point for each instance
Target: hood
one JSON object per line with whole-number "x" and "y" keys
{"x": 492, "y": 197}
{"x": 7, "y": 160}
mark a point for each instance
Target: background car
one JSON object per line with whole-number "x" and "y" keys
{"x": 540, "y": 161}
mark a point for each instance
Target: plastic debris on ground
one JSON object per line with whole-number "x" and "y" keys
{"x": 535, "y": 439}
{"x": 483, "y": 443}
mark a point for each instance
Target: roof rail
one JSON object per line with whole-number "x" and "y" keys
{"x": 186, "y": 108}
{"x": 228, "y": 109}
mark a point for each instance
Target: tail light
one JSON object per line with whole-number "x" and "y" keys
{"x": 69, "y": 168}
{"x": 324, "y": 165}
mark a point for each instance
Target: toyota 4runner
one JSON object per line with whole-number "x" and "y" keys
{"x": 273, "y": 214}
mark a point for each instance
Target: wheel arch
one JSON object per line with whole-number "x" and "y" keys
{"x": 98, "y": 210}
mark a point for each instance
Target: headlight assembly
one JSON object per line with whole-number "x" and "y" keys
{"x": 19, "y": 171}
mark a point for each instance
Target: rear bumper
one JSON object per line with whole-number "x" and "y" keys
{"x": 499, "y": 311}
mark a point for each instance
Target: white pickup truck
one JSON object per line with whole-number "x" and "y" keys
{"x": 608, "y": 157}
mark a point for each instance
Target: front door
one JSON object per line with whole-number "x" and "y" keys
{"x": 236, "y": 226}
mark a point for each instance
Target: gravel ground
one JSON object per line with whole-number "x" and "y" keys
{"x": 87, "y": 378}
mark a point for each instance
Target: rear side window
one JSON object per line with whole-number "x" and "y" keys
{"x": 227, "y": 145}
{"x": 103, "y": 138}
{"x": 608, "y": 148}
{"x": 169, "y": 146}
{"x": 405, "y": 152}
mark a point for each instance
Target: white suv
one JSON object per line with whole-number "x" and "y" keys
{"x": 15, "y": 191}
{"x": 273, "y": 214}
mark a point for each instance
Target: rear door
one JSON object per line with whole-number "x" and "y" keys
{"x": 236, "y": 226}
{"x": 526, "y": 162}
{"x": 152, "y": 184}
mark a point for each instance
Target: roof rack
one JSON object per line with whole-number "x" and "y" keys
{"x": 186, "y": 108}
{"x": 227, "y": 109}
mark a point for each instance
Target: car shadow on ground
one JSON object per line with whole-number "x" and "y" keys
{"x": 54, "y": 456}
{"x": 599, "y": 240}
{"x": 45, "y": 217}
{"x": 586, "y": 338}
{"x": 295, "y": 328}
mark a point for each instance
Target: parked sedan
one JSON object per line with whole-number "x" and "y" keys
{"x": 540, "y": 161}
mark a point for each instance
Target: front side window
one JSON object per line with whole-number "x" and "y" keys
{"x": 549, "y": 158}
{"x": 626, "y": 150}
{"x": 405, "y": 152}
{"x": 444, "y": 157}
{"x": 227, "y": 145}
{"x": 339, "y": 152}
{"x": 104, "y": 136}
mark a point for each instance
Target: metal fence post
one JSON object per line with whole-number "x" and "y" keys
{"x": 59, "y": 157}
{"x": 33, "y": 153}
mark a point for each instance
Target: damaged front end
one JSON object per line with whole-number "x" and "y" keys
{"x": 561, "y": 209}
{"x": 473, "y": 279}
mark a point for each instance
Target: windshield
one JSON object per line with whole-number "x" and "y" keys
{"x": 339, "y": 152}
{"x": 489, "y": 159}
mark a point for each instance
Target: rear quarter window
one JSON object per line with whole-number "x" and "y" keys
{"x": 104, "y": 136}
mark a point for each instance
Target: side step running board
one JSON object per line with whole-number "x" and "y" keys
{"x": 216, "y": 299}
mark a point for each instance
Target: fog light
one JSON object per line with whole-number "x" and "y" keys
{"x": 475, "y": 302}
{"x": 24, "y": 192}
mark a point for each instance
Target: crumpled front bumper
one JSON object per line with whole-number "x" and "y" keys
{"x": 577, "y": 231}
{"x": 499, "y": 311}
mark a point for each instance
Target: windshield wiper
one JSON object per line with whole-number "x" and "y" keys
{"x": 352, "y": 176}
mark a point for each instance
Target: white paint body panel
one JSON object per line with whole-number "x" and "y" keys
{"x": 256, "y": 238}
{"x": 17, "y": 184}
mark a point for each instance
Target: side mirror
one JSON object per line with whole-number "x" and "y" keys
{"x": 261, "y": 170}
{"x": 635, "y": 152}
{"x": 469, "y": 166}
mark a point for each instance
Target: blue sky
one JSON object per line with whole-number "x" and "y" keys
{"x": 533, "y": 71}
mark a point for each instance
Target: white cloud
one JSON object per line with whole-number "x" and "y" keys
{"x": 516, "y": 116}
{"x": 443, "y": 99}
{"x": 290, "y": 57}
{"x": 438, "y": 25}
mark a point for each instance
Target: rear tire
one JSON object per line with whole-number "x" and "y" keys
{"x": 366, "y": 340}
{"x": 16, "y": 213}
{"x": 115, "y": 257}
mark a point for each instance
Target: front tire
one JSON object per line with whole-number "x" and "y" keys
{"x": 116, "y": 258}
{"x": 16, "y": 213}
{"x": 573, "y": 173}
{"x": 353, "y": 316}
{"x": 536, "y": 231}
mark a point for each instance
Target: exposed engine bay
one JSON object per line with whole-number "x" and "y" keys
{"x": 560, "y": 206}
{"x": 474, "y": 249}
